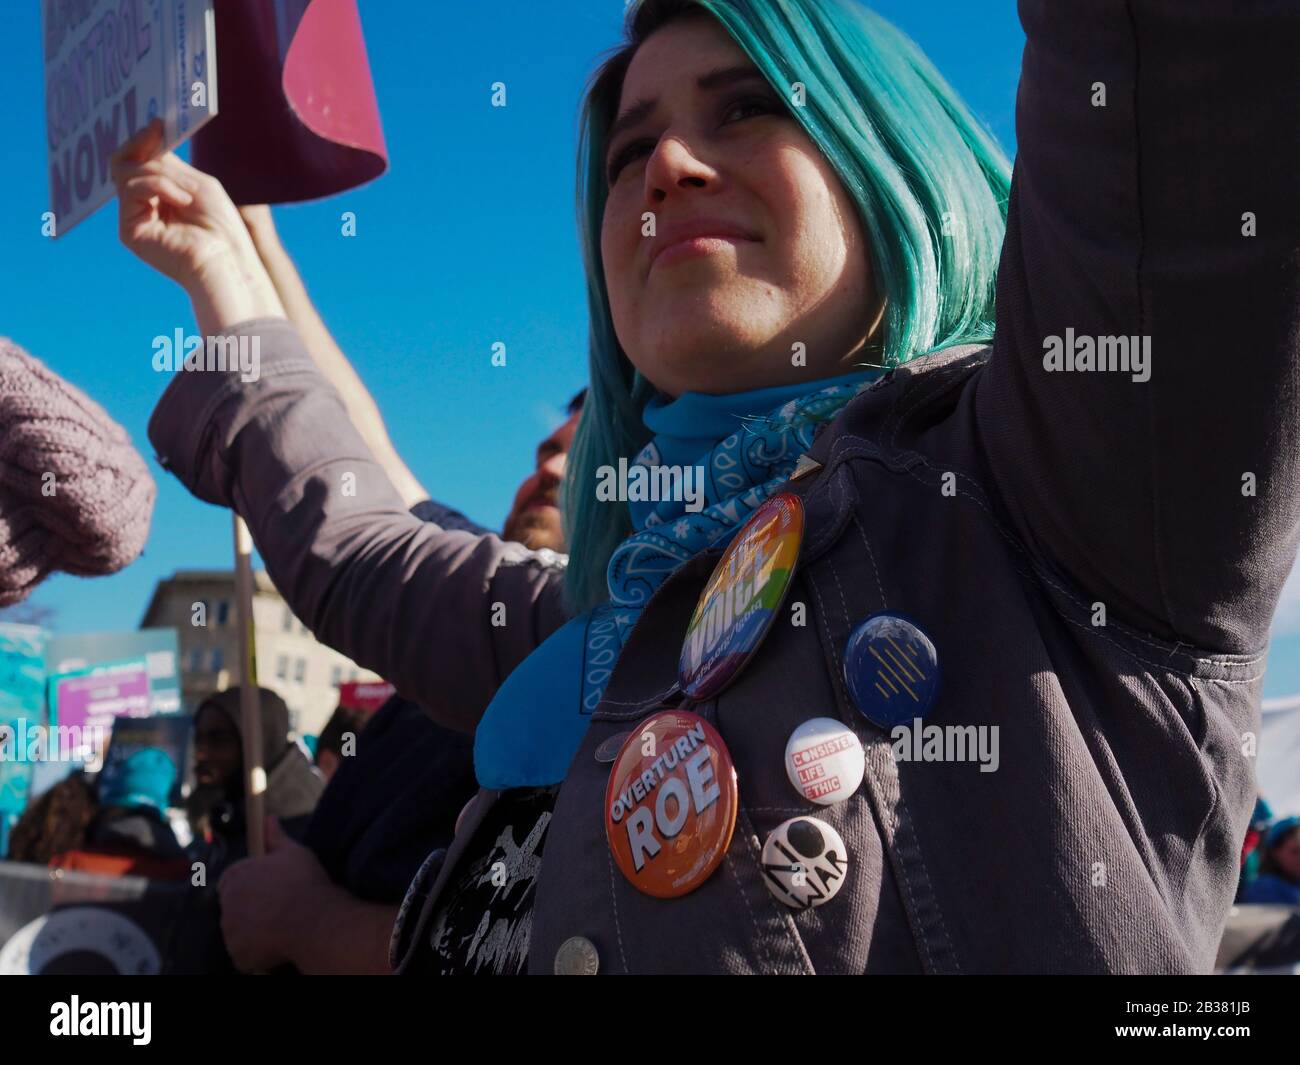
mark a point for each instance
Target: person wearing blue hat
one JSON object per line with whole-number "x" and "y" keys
{"x": 117, "y": 827}
{"x": 132, "y": 818}
{"x": 145, "y": 779}
{"x": 1278, "y": 881}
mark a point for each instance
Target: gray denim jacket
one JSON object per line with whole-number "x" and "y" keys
{"x": 1086, "y": 550}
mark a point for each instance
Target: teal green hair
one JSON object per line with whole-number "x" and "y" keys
{"x": 930, "y": 184}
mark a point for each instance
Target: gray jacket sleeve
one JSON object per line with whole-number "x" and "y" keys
{"x": 444, "y": 614}
{"x": 1154, "y": 202}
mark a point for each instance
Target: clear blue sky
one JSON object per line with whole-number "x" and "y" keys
{"x": 468, "y": 239}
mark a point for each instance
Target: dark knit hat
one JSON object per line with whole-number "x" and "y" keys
{"x": 92, "y": 515}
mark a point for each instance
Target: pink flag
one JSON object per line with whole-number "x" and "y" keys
{"x": 298, "y": 118}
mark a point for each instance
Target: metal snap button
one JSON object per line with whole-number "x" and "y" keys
{"x": 577, "y": 957}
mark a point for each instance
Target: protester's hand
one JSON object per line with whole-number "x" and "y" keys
{"x": 176, "y": 218}
{"x": 267, "y": 903}
{"x": 181, "y": 222}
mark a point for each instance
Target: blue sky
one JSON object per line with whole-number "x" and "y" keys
{"x": 468, "y": 239}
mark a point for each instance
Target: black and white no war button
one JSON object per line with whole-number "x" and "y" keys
{"x": 824, "y": 761}
{"x": 804, "y": 862}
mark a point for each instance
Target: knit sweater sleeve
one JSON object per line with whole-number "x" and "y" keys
{"x": 75, "y": 495}
{"x": 444, "y": 614}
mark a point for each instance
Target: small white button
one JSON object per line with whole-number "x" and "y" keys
{"x": 804, "y": 862}
{"x": 824, "y": 761}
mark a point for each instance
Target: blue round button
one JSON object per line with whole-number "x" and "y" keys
{"x": 891, "y": 669}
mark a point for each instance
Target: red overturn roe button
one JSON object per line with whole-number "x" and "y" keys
{"x": 670, "y": 805}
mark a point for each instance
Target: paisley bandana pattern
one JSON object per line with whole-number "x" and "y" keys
{"x": 529, "y": 734}
{"x": 740, "y": 473}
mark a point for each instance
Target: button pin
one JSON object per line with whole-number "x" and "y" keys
{"x": 577, "y": 956}
{"x": 891, "y": 669}
{"x": 804, "y": 862}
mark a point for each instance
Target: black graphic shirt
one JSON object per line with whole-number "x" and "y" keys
{"x": 485, "y": 919}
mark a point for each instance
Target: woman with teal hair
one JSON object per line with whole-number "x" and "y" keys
{"x": 889, "y": 641}
{"x": 903, "y": 156}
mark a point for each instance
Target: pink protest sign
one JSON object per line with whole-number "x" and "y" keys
{"x": 94, "y": 700}
{"x": 299, "y": 119}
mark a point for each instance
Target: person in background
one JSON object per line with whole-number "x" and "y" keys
{"x": 121, "y": 831}
{"x": 534, "y": 518}
{"x": 338, "y": 739}
{"x": 292, "y": 785}
{"x": 1278, "y": 881}
{"x": 386, "y": 808}
{"x": 383, "y": 811}
{"x": 1260, "y": 819}
{"x": 130, "y": 834}
{"x": 54, "y": 822}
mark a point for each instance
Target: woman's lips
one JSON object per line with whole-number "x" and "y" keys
{"x": 680, "y": 239}
{"x": 693, "y": 247}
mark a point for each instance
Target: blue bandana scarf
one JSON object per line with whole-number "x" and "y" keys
{"x": 731, "y": 462}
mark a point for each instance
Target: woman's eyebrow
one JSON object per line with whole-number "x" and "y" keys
{"x": 633, "y": 116}
{"x": 720, "y": 79}
{"x": 715, "y": 79}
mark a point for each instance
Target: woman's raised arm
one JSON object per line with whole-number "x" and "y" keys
{"x": 444, "y": 615}
{"x": 1142, "y": 409}
{"x": 326, "y": 353}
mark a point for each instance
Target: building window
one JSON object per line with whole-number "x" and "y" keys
{"x": 287, "y": 624}
{"x": 282, "y": 667}
{"x": 196, "y": 659}
{"x": 217, "y": 659}
{"x": 336, "y": 675}
{"x": 223, "y": 613}
{"x": 299, "y": 670}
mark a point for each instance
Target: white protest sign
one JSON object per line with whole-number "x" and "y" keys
{"x": 111, "y": 67}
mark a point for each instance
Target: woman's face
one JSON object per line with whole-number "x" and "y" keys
{"x": 756, "y": 247}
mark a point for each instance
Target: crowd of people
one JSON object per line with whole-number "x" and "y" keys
{"x": 348, "y": 828}
{"x": 653, "y": 733}
{"x": 1270, "y": 861}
